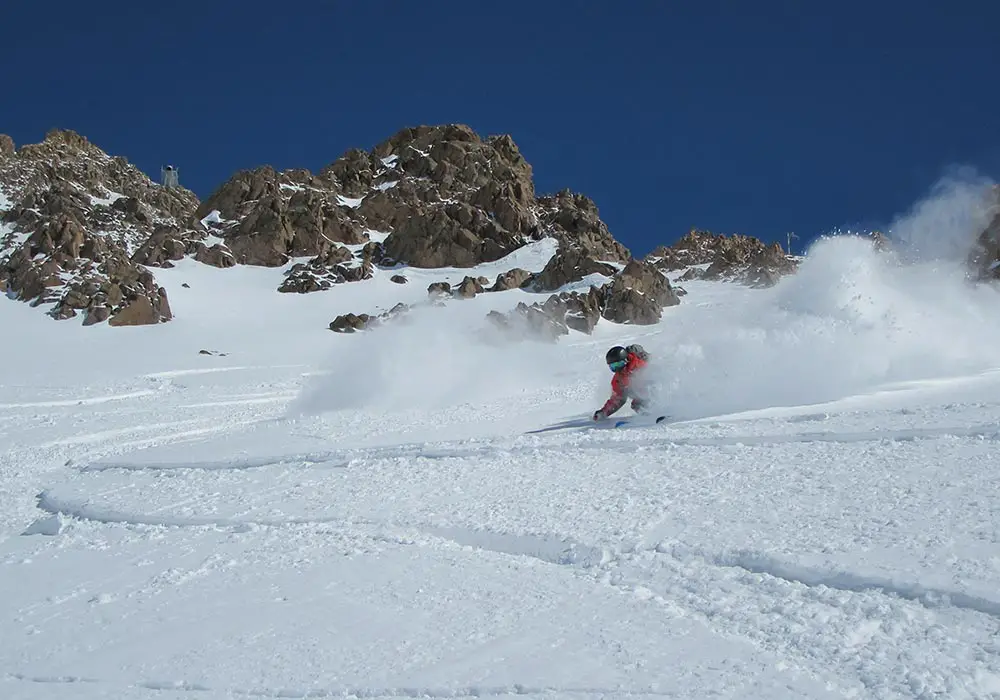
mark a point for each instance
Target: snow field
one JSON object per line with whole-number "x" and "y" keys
{"x": 320, "y": 515}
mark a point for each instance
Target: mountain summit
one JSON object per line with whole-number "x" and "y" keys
{"x": 82, "y": 232}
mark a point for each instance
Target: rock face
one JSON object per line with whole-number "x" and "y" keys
{"x": 435, "y": 196}
{"x": 74, "y": 229}
{"x": 574, "y": 220}
{"x": 566, "y": 266}
{"x": 82, "y": 232}
{"x": 638, "y": 294}
{"x": 266, "y": 217}
{"x": 743, "y": 259}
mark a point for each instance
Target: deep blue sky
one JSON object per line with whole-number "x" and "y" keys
{"x": 748, "y": 117}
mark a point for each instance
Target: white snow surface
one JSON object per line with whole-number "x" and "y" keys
{"x": 324, "y": 515}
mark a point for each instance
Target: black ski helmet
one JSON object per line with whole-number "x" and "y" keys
{"x": 616, "y": 354}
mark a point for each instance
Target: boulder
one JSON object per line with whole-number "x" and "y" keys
{"x": 439, "y": 288}
{"x": 567, "y": 266}
{"x": 512, "y": 279}
{"x": 638, "y": 294}
{"x": 350, "y": 323}
{"x": 468, "y": 288}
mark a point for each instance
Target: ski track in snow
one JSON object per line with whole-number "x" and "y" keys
{"x": 185, "y": 688}
{"x": 178, "y": 531}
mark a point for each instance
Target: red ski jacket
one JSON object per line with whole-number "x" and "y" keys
{"x": 620, "y": 384}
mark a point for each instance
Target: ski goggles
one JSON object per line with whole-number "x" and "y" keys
{"x": 620, "y": 364}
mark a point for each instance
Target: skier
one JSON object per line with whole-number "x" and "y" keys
{"x": 623, "y": 361}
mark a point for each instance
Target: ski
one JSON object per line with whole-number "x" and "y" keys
{"x": 589, "y": 424}
{"x": 637, "y": 420}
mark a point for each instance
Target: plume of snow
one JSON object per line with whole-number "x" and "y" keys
{"x": 851, "y": 319}
{"x": 428, "y": 359}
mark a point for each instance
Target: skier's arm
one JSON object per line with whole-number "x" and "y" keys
{"x": 612, "y": 405}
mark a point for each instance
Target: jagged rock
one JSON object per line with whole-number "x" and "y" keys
{"x": 303, "y": 279}
{"x": 398, "y": 279}
{"x": 439, "y": 288}
{"x": 453, "y": 235}
{"x": 457, "y": 200}
{"x": 350, "y": 323}
{"x": 335, "y": 266}
{"x": 736, "y": 258}
{"x": 512, "y": 279}
{"x": 575, "y": 221}
{"x": 445, "y": 197}
{"x": 583, "y": 311}
{"x": 216, "y": 255}
{"x": 78, "y": 216}
{"x": 553, "y": 318}
{"x": 468, "y": 288}
{"x": 638, "y": 295}
{"x": 694, "y": 273}
{"x": 267, "y": 217}
{"x": 352, "y": 173}
{"x": 566, "y": 266}
{"x": 357, "y": 272}
{"x": 96, "y": 314}
{"x": 142, "y": 311}
{"x": 87, "y": 226}
{"x": 373, "y": 254}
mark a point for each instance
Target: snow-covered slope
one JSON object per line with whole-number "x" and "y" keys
{"x": 319, "y": 514}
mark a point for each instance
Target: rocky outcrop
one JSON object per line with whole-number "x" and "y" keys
{"x": 636, "y": 295}
{"x": 466, "y": 289}
{"x": 737, "y": 258}
{"x": 440, "y": 196}
{"x": 74, "y": 222}
{"x": 83, "y": 232}
{"x": 439, "y": 288}
{"x": 352, "y": 323}
{"x": 567, "y": 266}
{"x": 512, "y": 279}
{"x": 574, "y": 220}
{"x": 469, "y": 287}
{"x": 536, "y": 322}
{"x": 168, "y": 245}
{"x": 266, "y": 217}
{"x": 336, "y": 266}
{"x": 450, "y": 198}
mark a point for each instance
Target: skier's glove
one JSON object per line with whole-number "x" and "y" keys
{"x": 599, "y": 415}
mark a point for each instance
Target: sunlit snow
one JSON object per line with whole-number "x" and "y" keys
{"x": 304, "y": 513}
